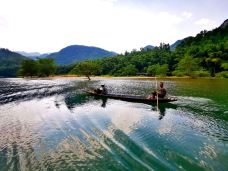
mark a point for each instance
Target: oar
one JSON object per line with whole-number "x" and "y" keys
{"x": 156, "y": 91}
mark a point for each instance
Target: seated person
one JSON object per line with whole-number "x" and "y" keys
{"x": 161, "y": 92}
{"x": 101, "y": 90}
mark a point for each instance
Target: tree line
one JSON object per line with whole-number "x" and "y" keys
{"x": 204, "y": 55}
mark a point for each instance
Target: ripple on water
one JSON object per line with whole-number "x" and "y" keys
{"x": 51, "y": 125}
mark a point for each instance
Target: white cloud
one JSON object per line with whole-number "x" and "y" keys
{"x": 187, "y": 15}
{"x": 49, "y": 25}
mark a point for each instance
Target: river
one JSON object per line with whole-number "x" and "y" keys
{"x": 51, "y": 124}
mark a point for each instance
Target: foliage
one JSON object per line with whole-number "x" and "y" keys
{"x": 201, "y": 73}
{"x": 9, "y": 62}
{"x": 225, "y": 66}
{"x": 187, "y": 66}
{"x": 159, "y": 70}
{"x": 86, "y": 68}
{"x": 209, "y": 47}
{"x": 64, "y": 69}
{"x": 29, "y": 68}
{"x": 223, "y": 74}
{"x": 46, "y": 67}
{"x": 203, "y": 55}
{"x": 41, "y": 67}
{"x": 130, "y": 70}
{"x": 206, "y": 54}
{"x": 151, "y": 70}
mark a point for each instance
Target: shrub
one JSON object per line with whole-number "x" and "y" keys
{"x": 223, "y": 74}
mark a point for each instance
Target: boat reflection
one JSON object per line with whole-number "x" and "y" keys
{"x": 162, "y": 108}
{"x": 81, "y": 99}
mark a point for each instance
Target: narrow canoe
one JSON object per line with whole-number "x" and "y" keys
{"x": 132, "y": 98}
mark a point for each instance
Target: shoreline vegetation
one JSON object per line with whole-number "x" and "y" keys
{"x": 119, "y": 77}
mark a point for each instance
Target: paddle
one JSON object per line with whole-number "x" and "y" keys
{"x": 156, "y": 91}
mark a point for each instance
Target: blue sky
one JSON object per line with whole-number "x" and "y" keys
{"x": 116, "y": 25}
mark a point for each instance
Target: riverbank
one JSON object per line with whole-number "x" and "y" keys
{"x": 131, "y": 77}
{"x": 120, "y": 77}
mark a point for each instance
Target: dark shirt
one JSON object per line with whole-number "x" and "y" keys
{"x": 162, "y": 92}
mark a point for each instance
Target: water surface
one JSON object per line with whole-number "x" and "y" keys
{"x": 53, "y": 125}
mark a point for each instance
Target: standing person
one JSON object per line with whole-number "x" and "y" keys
{"x": 161, "y": 92}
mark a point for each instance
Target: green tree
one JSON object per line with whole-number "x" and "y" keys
{"x": 130, "y": 70}
{"x": 157, "y": 69}
{"x": 46, "y": 66}
{"x": 225, "y": 66}
{"x": 152, "y": 70}
{"x": 29, "y": 68}
{"x": 187, "y": 66}
{"x": 87, "y": 68}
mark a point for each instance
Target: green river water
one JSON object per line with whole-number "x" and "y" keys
{"x": 51, "y": 124}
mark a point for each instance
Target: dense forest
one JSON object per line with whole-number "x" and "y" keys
{"x": 204, "y": 55}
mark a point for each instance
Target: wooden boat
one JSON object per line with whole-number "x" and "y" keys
{"x": 132, "y": 98}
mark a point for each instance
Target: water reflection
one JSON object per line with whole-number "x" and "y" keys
{"x": 73, "y": 101}
{"x": 68, "y": 130}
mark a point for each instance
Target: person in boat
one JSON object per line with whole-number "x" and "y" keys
{"x": 161, "y": 92}
{"x": 102, "y": 90}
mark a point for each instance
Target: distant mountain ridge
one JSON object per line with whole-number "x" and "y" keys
{"x": 33, "y": 55}
{"x": 75, "y": 53}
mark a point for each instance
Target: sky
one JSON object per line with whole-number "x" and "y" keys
{"x": 116, "y": 25}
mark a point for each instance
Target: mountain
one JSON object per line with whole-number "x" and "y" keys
{"x": 216, "y": 37}
{"x": 174, "y": 45}
{"x": 33, "y": 55}
{"x": 224, "y": 24}
{"x": 75, "y": 53}
{"x": 148, "y": 47}
{"x": 210, "y": 48}
{"x": 9, "y": 62}
{"x": 204, "y": 55}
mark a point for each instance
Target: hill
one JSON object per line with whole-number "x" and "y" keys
{"x": 209, "y": 47}
{"x": 149, "y": 47}
{"x": 204, "y": 55}
{"x": 175, "y": 44}
{"x": 9, "y": 62}
{"x": 75, "y": 53}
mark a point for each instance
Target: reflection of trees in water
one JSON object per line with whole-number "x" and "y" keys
{"x": 74, "y": 100}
